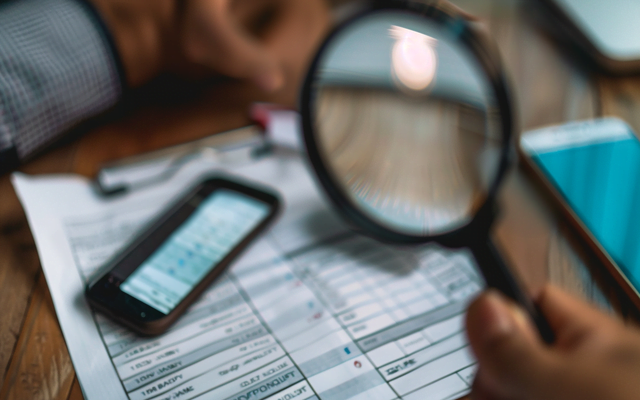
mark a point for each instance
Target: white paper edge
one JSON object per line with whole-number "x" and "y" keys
{"x": 88, "y": 352}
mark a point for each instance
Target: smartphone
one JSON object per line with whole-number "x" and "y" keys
{"x": 153, "y": 281}
{"x": 606, "y": 32}
{"x": 592, "y": 168}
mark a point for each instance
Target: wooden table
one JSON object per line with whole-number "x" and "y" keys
{"x": 548, "y": 86}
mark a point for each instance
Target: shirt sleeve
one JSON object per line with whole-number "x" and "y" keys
{"x": 57, "y": 67}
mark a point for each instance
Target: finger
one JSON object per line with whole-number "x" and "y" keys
{"x": 512, "y": 358}
{"x": 483, "y": 390}
{"x": 572, "y": 320}
{"x": 215, "y": 38}
{"x": 479, "y": 390}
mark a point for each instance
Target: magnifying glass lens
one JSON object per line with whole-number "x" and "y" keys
{"x": 406, "y": 123}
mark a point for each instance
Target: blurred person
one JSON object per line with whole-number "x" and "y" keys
{"x": 595, "y": 357}
{"x": 64, "y": 61}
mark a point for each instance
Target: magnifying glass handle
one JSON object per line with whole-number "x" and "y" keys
{"x": 498, "y": 276}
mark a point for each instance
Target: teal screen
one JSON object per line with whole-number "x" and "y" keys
{"x": 601, "y": 183}
{"x": 216, "y": 227}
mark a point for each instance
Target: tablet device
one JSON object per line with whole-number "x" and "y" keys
{"x": 606, "y": 32}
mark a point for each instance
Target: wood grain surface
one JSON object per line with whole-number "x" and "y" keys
{"x": 34, "y": 360}
{"x": 548, "y": 88}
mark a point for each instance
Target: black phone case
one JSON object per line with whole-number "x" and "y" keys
{"x": 142, "y": 318}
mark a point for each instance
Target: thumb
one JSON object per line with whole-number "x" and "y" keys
{"x": 214, "y": 38}
{"x": 513, "y": 362}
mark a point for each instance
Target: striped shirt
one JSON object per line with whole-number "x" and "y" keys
{"x": 57, "y": 67}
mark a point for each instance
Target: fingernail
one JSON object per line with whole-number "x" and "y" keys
{"x": 271, "y": 81}
{"x": 498, "y": 316}
{"x": 520, "y": 318}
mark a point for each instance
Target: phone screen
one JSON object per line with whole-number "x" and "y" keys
{"x": 611, "y": 26}
{"x": 597, "y": 171}
{"x": 216, "y": 227}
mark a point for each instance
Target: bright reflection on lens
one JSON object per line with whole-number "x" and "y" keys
{"x": 402, "y": 118}
{"x": 413, "y": 58}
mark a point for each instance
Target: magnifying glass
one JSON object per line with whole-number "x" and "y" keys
{"x": 408, "y": 125}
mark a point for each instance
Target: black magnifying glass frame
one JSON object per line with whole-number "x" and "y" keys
{"x": 475, "y": 234}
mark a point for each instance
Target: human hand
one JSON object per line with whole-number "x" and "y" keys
{"x": 594, "y": 356}
{"x": 255, "y": 40}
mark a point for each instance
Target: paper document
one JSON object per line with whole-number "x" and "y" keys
{"x": 310, "y": 311}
